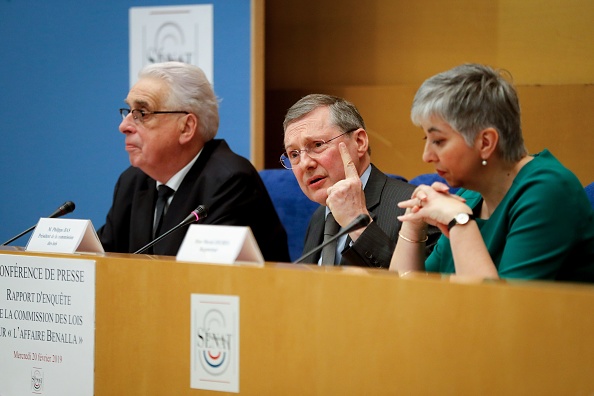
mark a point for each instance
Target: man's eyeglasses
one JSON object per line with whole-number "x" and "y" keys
{"x": 141, "y": 115}
{"x": 291, "y": 158}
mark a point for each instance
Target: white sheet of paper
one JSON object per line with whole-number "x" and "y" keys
{"x": 64, "y": 236}
{"x": 179, "y": 32}
{"x": 219, "y": 244}
{"x": 47, "y": 326}
{"x": 214, "y": 346}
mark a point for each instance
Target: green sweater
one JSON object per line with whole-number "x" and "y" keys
{"x": 542, "y": 229}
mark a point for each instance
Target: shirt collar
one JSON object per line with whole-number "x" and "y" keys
{"x": 177, "y": 179}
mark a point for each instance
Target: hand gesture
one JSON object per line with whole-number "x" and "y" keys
{"x": 346, "y": 199}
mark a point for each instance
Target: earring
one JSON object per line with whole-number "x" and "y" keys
{"x": 484, "y": 163}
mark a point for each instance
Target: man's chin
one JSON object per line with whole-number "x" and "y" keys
{"x": 318, "y": 197}
{"x": 135, "y": 162}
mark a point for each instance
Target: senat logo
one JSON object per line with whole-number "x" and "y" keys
{"x": 213, "y": 343}
{"x": 36, "y": 380}
{"x": 169, "y": 45}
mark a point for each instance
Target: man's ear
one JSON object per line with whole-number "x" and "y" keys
{"x": 362, "y": 140}
{"x": 188, "y": 126}
{"x": 486, "y": 142}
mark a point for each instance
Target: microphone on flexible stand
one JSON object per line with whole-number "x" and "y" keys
{"x": 66, "y": 208}
{"x": 197, "y": 214}
{"x": 360, "y": 221}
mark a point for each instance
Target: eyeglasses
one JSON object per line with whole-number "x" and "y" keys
{"x": 140, "y": 116}
{"x": 291, "y": 158}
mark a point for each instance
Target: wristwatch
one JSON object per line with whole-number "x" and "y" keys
{"x": 461, "y": 218}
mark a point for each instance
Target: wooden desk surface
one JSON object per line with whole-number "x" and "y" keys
{"x": 308, "y": 330}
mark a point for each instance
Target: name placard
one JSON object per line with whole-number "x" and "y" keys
{"x": 47, "y": 326}
{"x": 220, "y": 244}
{"x": 64, "y": 236}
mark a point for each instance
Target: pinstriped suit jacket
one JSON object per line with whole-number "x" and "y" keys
{"x": 376, "y": 244}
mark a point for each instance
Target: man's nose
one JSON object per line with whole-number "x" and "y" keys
{"x": 127, "y": 125}
{"x": 306, "y": 160}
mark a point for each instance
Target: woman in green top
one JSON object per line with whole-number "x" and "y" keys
{"x": 516, "y": 215}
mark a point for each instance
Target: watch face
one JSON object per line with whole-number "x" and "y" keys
{"x": 462, "y": 218}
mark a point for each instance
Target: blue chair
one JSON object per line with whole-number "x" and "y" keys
{"x": 293, "y": 207}
{"x": 428, "y": 179}
{"x": 590, "y": 192}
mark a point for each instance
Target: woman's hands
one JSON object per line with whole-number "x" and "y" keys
{"x": 433, "y": 205}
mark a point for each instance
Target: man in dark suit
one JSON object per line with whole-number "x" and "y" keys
{"x": 327, "y": 148}
{"x": 169, "y": 128}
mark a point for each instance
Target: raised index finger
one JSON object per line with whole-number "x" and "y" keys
{"x": 350, "y": 171}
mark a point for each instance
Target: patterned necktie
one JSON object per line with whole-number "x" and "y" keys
{"x": 329, "y": 251}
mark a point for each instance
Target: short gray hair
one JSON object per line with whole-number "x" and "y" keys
{"x": 470, "y": 98}
{"x": 189, "y": 91}
{"x": 343, "y": 114}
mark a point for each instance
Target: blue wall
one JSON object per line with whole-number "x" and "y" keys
{"x": 64, "y": 73}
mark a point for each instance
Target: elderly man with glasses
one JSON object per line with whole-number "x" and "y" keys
{"x": 327, "y": 148}
{"x": 177, "y": 164}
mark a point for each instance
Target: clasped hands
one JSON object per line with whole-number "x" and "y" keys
{"x": 433, "y": 205}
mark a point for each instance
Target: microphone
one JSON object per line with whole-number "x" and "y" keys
{"x": 360, "y": 221}
{"x": 197, "y": 214}
{"x": 66, "y": 208}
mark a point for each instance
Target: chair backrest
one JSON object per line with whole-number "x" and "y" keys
{"x": 590, "y": 193}
{"x": 428, "y": 179}
{"x": 293, "y": 207}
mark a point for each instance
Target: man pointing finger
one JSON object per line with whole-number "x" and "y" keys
{"x": 346, "y": 199}
{"x": 327, "y": 147}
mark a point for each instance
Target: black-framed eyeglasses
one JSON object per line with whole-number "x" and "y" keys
{"x": 141, "y": 115}
{"x": 291, "y": 158}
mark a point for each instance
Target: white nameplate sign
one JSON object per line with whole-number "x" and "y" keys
{"x": 64, "y": 236}
{"x": 219, "y": 244}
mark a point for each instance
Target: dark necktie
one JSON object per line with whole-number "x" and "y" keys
{"x": 329, "y": 251}
{"x": 164, "y": 194}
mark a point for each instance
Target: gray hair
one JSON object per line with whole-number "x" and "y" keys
{"x": 189, "y": 90}
{"x": 470, "y": 98}
{"x": 343, "y": 114}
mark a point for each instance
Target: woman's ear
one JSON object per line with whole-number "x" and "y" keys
{"x": 486, "y": 142}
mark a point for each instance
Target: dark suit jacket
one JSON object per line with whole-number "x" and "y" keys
{"x": 376, "y": 244}
{"x": 226, "y": 183}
